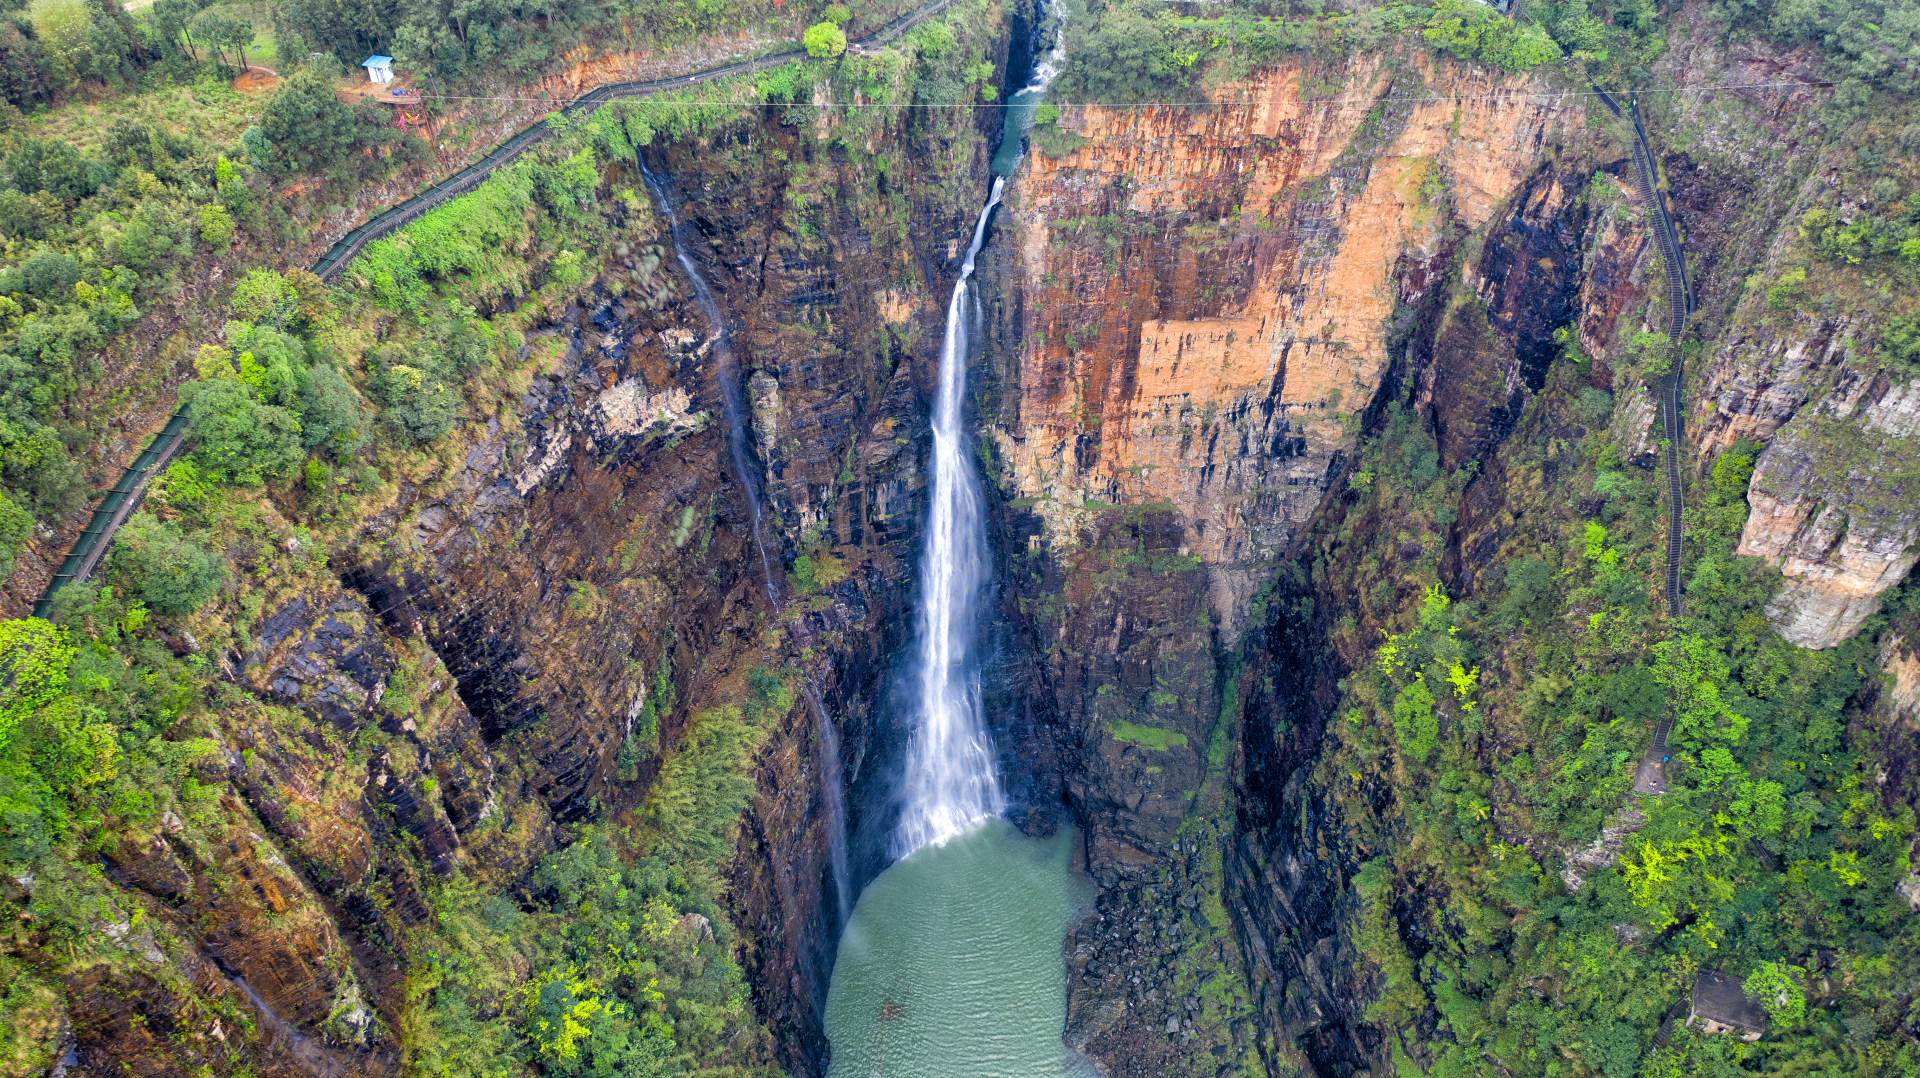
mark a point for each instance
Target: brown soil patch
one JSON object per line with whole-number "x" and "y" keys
{"x": 256, "y": 80}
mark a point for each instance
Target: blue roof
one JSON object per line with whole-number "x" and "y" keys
{"x": 377, "y": 61}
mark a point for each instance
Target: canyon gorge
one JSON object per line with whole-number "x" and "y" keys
{"x": 1259, "y": 480}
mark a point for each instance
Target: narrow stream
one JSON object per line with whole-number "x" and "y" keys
{"x": 951, "y": 963}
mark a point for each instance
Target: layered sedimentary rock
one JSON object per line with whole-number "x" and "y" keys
{"x": 1836, "y": 507}
{"x": 1190, "y": 315}
{"x": 1206, "y": 295}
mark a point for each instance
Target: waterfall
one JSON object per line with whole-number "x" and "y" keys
{"x": 832, "y": 796}
{"x": 951, "y": 785}
{"x": 729, "y": 379}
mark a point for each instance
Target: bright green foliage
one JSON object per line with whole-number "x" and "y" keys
{"x": 1414, "y": 722}
{"x": 1777, "y": 987}
{"x": 1471, "y": 31}
{"x": 257, "y": 294}
{"x": 1148, "y": 737}
{"x": 33, "y": 671}
{"x": 1774, "y": 839}
{"x": 16, "y": 525}
{"x": 825, "y": 40}
{"x": 216, "y": 225}
{"x": 1694, "y": 673}
{"x": 705, "y": 783}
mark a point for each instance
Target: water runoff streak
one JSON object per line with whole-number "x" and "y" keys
{"x": 831, "y": 794}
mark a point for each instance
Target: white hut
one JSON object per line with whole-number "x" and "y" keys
{"x": 379, "y": 69}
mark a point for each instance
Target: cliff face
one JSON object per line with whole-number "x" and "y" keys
{"x": 1834, "y": 508}
{"x": 1795, "y": 363}
{"x": 1191, "y": 316}
{"x": 1205, "y": 297}
{"x": 504, "y": 649}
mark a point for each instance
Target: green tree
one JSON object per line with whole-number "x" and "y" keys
{"x": 216, "y": 225}
{"x": 225, "y": 32}
{"x": 56, "y": 167}
{"x": 240, "y": 440}
{"x": 33, "y": 670}
{"x": 331, "y": 418}
{"x": 16, "y": 524}
{"x": 257, "y": 293}
{"x": 168, "y": 572}
{"x": 1414, "y": 722}
{"x": 1776, "y": 986}
{"x": 308, "y": 128}
{"x": 825, "y": 40}
{"x": 416, "y": 399}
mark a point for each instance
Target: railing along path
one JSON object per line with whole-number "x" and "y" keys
{"x": 1679, "y": 305}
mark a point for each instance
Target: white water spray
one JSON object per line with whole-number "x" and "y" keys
{"x": 951, "y": 783}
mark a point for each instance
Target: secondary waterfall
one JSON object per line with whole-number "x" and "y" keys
{"x": 951, "y": 785}
{"x": 729, "y": 378}
{"x": 831, "y": 794}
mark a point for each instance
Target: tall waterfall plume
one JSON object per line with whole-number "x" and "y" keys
{"x": 951, "y": 786}
{"x": 951, "y": 783}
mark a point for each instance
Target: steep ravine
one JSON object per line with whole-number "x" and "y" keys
{"x": 1197, "y": 313}
{"x": 1198, "y": 328}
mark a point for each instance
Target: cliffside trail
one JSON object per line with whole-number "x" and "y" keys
{"x": 124, "y": 495}
{"x": 1652, "y": 772}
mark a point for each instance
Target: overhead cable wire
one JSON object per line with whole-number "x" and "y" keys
{"x": 1202, "y": 103}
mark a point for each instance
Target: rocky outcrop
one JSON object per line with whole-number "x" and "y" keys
{"x": 1836, "y": 507}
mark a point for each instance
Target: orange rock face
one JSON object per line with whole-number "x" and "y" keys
{"x": 1209, "y": 292}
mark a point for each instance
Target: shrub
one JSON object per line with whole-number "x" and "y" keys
{"x": 16, "y": 524}
{"x": 1774, "y": 985}
{"x": 1414, "y": 722}
{"x": 49, "y": 275}
{"x": 58, "y": 168}
{"x": 34, "y": 461}
{"x": 1473, "y": 31}
{"x": 825, "y": 40}
{"x": 168, "y": 572}
{"x": 216, "y": 225}
{"x": 416, "y": 400}
{"x": 33, "y": 670}
{"x": 258, "y": 292}
{"x": 331, "y": 418}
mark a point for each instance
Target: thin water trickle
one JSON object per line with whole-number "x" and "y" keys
{"x": 836, "y": 803}
{"x": 729, "y": 378}
{"x": 832, "y": 796}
